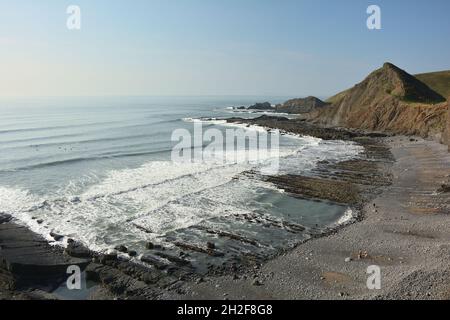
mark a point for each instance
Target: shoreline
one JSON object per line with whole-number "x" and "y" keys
{"x": 132, "y": 281}
{"x": 405, "y": 231}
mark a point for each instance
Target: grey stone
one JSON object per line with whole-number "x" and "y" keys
{"x": 4, "y": 217}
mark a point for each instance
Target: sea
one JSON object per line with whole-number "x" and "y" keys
{"x": 100, "y": 170}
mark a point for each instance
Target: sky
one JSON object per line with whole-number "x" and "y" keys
{"x": 213, "y": 47}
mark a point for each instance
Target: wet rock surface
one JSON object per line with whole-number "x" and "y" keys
{"x": 348, "y": 182}
{"x": 77, "y": 250}
{"x": 27, "y": 261}
{"x": 302, "y": 127}
{"x": 4, "y": 217}
{"x": 318, "y": 188}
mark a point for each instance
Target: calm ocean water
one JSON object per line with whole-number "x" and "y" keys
{"x": 98, "y": 170}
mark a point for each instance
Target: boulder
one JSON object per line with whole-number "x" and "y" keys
{"x": 152, "y": 260}
{"x": 56, "y": 236}
{"x": 132, "y": 253}
{"x": 77, "y": 250}
{"x": 110, "y": 256}
{"x": 4, "y": 217}
{"x": 121, "y": 248}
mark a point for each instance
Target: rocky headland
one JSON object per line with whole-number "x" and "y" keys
{"x": 388, "y": 100}
{"x": 301, "y": 105}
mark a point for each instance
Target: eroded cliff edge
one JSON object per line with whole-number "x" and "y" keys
{"x": 388, "y": 100}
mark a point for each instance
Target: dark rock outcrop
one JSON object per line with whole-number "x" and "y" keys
{"x": 57, "y": 237}
{"x": 319, "y": 188}
{"x": 132, "y": 253}
{"x": 154, "y": 261}
{"x": 4, "y": 217}
{"x": 301, "y": 105}
{"x": 299, "y": 127}
{"x": 121, "y": 248}
{"x": 28, "y": 261}
{"x": 261, "y": 106}
{"x": 77, "y": 250}
{"x": 177, "y": 261}
{"x": 119, "y": 283}
{"x": 149, "y": 246}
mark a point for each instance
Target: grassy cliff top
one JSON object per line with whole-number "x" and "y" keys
{"x": 392, "y": 81}
{"x": 438, "y": 81}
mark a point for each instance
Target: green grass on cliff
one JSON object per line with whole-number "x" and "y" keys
{"x": 337, "y": 97}
{"x": 438, "y": 81}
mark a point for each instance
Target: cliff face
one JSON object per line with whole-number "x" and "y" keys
{"x": 298, "y": 106}
{"x": 389, "y": 99}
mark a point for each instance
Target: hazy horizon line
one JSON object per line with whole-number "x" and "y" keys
{"x": 163, "y": 96}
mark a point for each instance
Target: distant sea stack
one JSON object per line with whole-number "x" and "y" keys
{"x": 301, "y": 105}
{"x": 389, "y": 99}
{"x": 261, "y": 106}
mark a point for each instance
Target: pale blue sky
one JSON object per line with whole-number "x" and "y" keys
{"x": 213, "y": 47}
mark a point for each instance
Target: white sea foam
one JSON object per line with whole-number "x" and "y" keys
{"x": 221, "y": 122}
{"x": 347, "y": 217}
{"x": 205, "y": 120}
{"x": 18, "y": 202}
{"x": 258, "y": 112}
{"x": 160, "y": 196}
